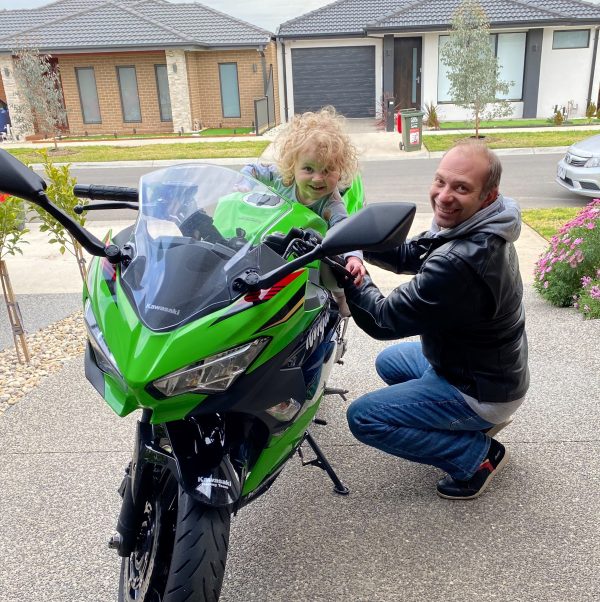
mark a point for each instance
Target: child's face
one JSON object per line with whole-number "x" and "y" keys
{"x": 313, "y": 179}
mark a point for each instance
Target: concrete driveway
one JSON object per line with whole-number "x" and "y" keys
{"x": 534, "y": 535}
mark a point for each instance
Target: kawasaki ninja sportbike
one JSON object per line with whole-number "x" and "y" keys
{"x": 209, "y": 315}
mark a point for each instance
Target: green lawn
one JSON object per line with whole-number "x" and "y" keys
{"x": 547, "y": 221}
{"x": 193, "y": 150}
{"x": 512, "y": 123}
{"x": 226, "y": 131}
{"x": 523, "y": 139}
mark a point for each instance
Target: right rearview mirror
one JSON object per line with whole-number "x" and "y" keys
{"x": 376, "y": 227}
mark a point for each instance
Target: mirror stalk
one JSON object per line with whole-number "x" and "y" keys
{"x": 86, "y": 239}
{"x": 251, "y": 282}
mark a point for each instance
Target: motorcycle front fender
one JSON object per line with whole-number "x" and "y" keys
{"x": 198, "y": 462}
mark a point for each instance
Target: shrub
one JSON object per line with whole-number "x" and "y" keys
{"x": 564, "y": 273}
{"x": 588, "y": 300}
{"x": 431, "y": 116}
{"x": 590, "y": 112}
{"x": 558, "y": 117}
{"x": 11, "y": 225}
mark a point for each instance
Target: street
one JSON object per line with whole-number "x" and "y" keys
{"x": 527, "y": 178}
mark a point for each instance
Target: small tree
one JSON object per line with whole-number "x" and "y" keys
{"x": 40, "y": 94}
{"x": 473, "y": 70}
{"x": 60, "y": 192}
{"x": 12, "y": 231}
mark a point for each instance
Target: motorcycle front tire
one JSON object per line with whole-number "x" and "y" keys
{"x": 181, "y": 550}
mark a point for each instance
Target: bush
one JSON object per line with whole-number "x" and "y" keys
{"x": 431, "y": 116}
{"x": 566, "y": 272}
{"x": 590, "y": 112}
{"x": 12, "y": 231}
{"x": 558, "y": 118}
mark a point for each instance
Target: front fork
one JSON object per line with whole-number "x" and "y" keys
{"x": 193, "y": 453}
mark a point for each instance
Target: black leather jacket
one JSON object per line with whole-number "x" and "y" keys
{"x": 466, "y": 304}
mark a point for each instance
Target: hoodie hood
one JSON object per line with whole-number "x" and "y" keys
{"x": 502, "y": 217}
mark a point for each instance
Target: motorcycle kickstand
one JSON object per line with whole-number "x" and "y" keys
{"x": 336, "y": 391}
{"x": 321, "y": 462}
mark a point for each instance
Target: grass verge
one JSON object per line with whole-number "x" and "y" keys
{"x": 148, "y": 152}
{"x": 547, "y": 221}
{"x": 513, "y": 123}
{"x": 511, "y": 139}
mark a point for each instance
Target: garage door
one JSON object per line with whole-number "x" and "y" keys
{"x": 343, "y": 77}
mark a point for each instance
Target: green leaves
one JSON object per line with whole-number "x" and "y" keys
{"x": 12, "y": 226}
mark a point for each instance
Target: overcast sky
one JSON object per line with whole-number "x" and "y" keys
{"x": 264, "y": 13}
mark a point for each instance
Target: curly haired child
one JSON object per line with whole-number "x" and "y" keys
{"x": 314, "y": 156}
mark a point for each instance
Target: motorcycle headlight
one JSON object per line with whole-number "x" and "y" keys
{"x": 592, "y": 162}
{"x": 104, "y": 358}
{"x": 214, "y": 374}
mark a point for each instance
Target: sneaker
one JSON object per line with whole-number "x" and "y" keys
{"x": 494, "y": 430}
{"x": 453, "y": 489}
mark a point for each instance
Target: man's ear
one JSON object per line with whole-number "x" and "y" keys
{"x": 491, "y": 196}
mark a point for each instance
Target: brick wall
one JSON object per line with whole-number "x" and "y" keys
{"x": 108, "y": 92}
{"x": 205, "y": 90}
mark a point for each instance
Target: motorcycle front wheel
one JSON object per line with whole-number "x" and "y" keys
{"x": 180, "y": 551}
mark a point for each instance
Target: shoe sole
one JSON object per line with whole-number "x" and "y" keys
{"x": 483, "y": 487}
{"x": 497, "y": 428}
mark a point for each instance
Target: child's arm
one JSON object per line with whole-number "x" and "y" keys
{"x": 262, "y": 172}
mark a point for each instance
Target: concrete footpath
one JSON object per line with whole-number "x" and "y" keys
{"x": 534, "y": 536}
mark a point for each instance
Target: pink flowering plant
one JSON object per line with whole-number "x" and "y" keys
{"x": 568, "y": 273}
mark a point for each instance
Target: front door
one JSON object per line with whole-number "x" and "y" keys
{"x": 407, "y": 72}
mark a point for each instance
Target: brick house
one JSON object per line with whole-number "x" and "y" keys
{"x": 147, "y": 66}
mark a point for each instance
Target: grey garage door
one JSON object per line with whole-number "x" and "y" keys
{"x": 343, "y": 77}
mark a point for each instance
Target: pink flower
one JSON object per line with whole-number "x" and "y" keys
{"x": 546, "y": 284}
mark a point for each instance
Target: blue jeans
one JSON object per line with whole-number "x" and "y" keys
{"x": 420, "y": 416}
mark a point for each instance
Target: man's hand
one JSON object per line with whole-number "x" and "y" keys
{"x": 356, "y": 267}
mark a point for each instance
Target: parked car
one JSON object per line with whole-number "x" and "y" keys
{"x": 579, "y": 170}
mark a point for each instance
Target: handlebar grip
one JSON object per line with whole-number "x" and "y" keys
{"x": 97, "y": 192}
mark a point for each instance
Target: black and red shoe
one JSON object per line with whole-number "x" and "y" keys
{"x": 453, "y": 489}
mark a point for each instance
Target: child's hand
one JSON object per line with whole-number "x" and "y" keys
{"x": 356, "y": 267}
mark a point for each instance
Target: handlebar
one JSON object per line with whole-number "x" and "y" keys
{"x": 97, "y": 192}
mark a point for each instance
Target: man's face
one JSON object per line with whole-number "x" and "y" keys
{"x": 313, "y": 179}
{"x": 457, "y": 185}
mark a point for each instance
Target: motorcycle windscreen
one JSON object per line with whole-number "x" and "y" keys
{"x": 198, "y": 228}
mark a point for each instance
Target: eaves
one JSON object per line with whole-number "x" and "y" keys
{"x": 321, "y": 36}
{"x": 567, "y": 22}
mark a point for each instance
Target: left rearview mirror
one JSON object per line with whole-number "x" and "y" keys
{"x": 18, "y": 180}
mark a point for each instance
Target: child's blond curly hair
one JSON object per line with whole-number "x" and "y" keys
{"x": 324, "y": 130}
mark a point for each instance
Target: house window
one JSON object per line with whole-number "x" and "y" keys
{"x": 130, "y": 99}
{"x": 230, "y": 92}
{"x": 575, "y": 38}
{"x": 164, "y": 98}
{"x": 509, "y": 49}
{"x": 88, "y": 94}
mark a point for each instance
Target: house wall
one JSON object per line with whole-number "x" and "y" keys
{"x": 205, "y": 90}
{"x": 108, "y": 92}
{"x": 290, "y": 44}
{"x": 2, "y": 91}
{"x": 429, "y": 91}
{"x": 565, "y": 75}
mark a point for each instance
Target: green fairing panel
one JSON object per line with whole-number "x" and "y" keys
{"x": 278, "y": 449}
{"x": 354, "y": 197}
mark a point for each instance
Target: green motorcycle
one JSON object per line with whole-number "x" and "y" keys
{"x": 209, "y": 315}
